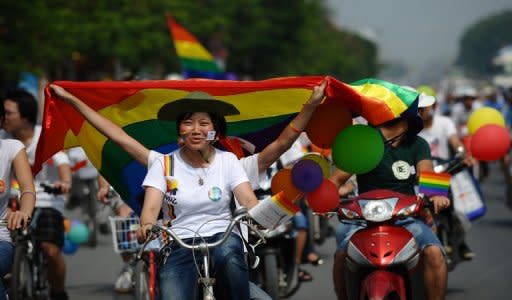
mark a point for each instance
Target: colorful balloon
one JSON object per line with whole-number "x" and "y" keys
{"x": 358, "y": 149}
{"x": 79, "y": 233}
{"x": 321, "y": 161}
{"x": 307, "y": 175}
{"x": 325, "y": 198}
{"x": 490, "y": 142}
{"x": 69, "y": 247}
{"x": 282, "y": 181}
{"x": 327, "y": 121}
{"x": 484, "y": 116}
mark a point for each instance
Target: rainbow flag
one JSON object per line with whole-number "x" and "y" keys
{"x": 434, "y": 184}
{"x": 195, "y": 60}
{"x": 266, "y": 108}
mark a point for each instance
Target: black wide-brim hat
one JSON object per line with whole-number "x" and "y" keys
{"x": 196, "y": 102}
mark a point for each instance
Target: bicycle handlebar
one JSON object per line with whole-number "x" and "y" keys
{"x": 239, "y": 214}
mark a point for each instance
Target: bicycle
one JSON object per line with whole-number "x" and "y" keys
{"x": 29, "y": 280}
{"x": 205, "y": 280}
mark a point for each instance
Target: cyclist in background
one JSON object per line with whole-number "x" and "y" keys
{"x": 13, "y": 158}
{"x": 20, "y": 121}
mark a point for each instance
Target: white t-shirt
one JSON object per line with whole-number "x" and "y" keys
{"x": 437, "y": 136}
{"x": 49, "y": 173}
{"x": 195, "y": 204}
{"x": 250, "y": 165}
{"x": 8, "y": 151}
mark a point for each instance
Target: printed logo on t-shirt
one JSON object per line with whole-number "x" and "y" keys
{"x": 170, "y": 199}
{"x": 401, "y": 170}
{"x": 2, "y": 186}
{"x": 214, "y": 194}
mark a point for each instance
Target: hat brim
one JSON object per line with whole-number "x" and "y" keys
{"x": 415, "y": 124}
{"x": 170, "y": 111}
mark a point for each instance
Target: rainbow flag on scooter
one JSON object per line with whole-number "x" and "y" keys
{"x": 434, "y": 184}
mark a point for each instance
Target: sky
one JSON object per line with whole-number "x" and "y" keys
{"x": 423, "y": 34}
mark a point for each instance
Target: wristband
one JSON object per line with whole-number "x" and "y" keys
{"x": 27, "y": 192}
{"x": 295, "y": 129}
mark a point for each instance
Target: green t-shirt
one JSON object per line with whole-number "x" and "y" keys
{"x": 397, "y": 169}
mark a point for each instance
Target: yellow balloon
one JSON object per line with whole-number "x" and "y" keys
{"x": 320, "y": 160}
{"x": 484, "y": 116}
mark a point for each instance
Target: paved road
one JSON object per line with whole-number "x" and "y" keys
{"x": 91, "y": 272}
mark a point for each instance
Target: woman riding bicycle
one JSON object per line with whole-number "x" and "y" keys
{"x": 196, "y": 189}
{"x": 13, "y": 157}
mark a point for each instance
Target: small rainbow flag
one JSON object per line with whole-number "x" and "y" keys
{"x": 195, "y": 60}
{"x": 434, "y": 184}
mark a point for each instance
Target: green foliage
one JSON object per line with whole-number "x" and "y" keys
{"x": 481, "y": 41}
{"x": 264, "y": 38}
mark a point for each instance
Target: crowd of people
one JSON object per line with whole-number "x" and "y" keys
{"x": 209, "y": 176}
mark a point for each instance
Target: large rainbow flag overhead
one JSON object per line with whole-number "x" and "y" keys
{"x": 195, "y": 60}
{"x": 266, "y": 107}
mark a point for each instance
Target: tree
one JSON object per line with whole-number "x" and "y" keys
{"x": 481, "y": 41}
{"x": 81, "y": 39}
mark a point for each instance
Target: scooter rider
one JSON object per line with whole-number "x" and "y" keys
{"x": 405, "y": 156}
{"x": 440, "y": 133}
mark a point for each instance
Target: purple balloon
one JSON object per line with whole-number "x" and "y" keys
{"x": 307, "y": 175}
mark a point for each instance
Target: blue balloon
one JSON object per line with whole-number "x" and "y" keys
{"x": 69, "y": 247}
{"x": 79, "y": 233}
{"x": 307, "y": 175}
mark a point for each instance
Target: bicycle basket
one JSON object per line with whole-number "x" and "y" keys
{"x": 124, "y": 234}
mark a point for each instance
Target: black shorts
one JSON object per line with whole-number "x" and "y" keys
{"x": 49, "y": 226}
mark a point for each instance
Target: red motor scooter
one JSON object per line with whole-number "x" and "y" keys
{"x": 382, "y": 258}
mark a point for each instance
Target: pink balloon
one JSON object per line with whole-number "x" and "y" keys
{"x": 490, "y": 142}
{"x": 325, "y": 198}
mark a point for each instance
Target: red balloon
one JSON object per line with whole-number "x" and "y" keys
{"x": 490, "y": 142}
{"x": 282, "y": 182}
{"x": 325, "y": 198}
{"x": 327, "y": 121}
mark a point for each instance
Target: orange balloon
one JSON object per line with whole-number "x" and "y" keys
{"x": 67, "y": 225}
{"x": 282, "y": 181}
{"x": 327, "y": 121}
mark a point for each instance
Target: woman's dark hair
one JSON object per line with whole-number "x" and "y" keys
{"x": 27, "y": 104}
{"x": 219, "y": 122}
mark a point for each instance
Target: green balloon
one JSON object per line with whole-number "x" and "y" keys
{"x": 357, "y": 149}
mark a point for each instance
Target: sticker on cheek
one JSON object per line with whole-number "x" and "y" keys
{"x": 211, "y": 135}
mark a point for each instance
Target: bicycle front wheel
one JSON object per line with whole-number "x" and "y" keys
{"x": 21, "y": 281}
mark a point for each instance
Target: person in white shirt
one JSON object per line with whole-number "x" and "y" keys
{"x": 13, "y": 161}
{"x": 254, "y": 165}
{"x": 441, "y": 134}
{"x": 20, "y": 119}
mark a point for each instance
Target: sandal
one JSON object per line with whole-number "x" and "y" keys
{"x": 304, "y": 276}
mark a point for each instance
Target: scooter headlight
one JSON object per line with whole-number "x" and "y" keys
{"x": 378, "y": 210}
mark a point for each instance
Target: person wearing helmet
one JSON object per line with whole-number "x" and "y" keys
{"x": 405, "y": 156}
{"x": 465, "y": 103}
{"x": 441, "y": 134}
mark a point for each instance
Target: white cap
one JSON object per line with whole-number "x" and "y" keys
{"x": 464, "y": 91}
{"x": 426, "y": 100}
